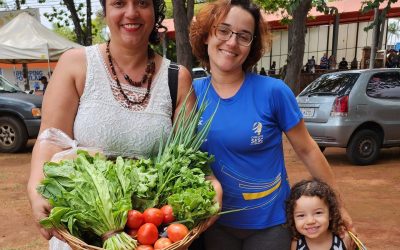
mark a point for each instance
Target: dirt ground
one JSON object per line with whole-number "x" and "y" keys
{"x": 371, "y": 194}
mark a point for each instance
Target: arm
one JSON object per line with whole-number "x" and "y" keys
{"x": 59, "y": 109}
{"x": 317, "y": 165}
{"x": 293, "y": 246}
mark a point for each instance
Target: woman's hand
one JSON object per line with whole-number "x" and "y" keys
{"x": 348, "y": 223}
{"x": 218, "y": 198}
{"x": 41, "y": 209}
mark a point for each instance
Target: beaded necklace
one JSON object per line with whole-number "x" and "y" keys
{"x": 148, "y": 76}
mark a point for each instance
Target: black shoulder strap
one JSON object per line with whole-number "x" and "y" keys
{"x": 173, "y": 71}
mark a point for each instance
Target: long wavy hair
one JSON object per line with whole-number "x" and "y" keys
{"x": 159, "y": 15}
{"x": 311, "y": 188}
{"x": 212, "y": 14}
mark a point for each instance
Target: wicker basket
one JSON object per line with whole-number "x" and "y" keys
{"x": 77, "y": 244}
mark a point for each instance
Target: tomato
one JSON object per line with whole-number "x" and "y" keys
{"x": 135, "y": 219}
{"x": 131, "y": 232}
{"x": 168, "y": 214}
{"x": 144, "y": 247}
{"x": 153, "y": 215}
{"x": 177, "y": 231}
{"x": 162, "y": 243}
{"x": 147, "y": 234}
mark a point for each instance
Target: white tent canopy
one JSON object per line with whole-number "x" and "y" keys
{"x": 24, "y": 40}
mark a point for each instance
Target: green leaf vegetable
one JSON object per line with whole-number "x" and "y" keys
{"x": 91, "y": 197}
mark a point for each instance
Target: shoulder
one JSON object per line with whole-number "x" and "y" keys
{"x": 73, "y": 59}
{"x": 266, "y": 83}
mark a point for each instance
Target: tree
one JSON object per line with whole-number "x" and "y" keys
{"x": 294, "y": 13}
{"x": 82, "y": 21}
{"x": 183, "y": 11}
{"x": 393, "y": 30}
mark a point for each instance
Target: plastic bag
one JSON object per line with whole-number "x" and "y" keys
{"x": 69, "y": 146}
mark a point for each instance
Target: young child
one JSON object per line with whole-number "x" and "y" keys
{"x": 314, "y": 217}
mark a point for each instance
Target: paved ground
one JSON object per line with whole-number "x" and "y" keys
{"x": 372, "y": 195}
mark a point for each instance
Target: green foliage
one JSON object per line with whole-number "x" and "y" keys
{"x": 65, "y": 32}
{"x": 98, "y": 29}
{"x": 369, "y": 5}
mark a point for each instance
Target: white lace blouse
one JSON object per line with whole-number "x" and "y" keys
{"x": 104, "y": 122}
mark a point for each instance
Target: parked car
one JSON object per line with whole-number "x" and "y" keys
{"x": 358, "y": 110}
{"x": 199, "y": 72}
{"x": 20, "y": 116}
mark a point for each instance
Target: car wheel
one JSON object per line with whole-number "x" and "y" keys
{"x": 364, "y": 147}
{"x": 13, "y": 135}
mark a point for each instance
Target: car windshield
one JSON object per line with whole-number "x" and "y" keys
{"x": 199, "y": 73}
{"x": 331, "y": 84}
{"x": 6, "y": 86}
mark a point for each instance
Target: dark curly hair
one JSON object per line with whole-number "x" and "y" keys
{"x": 314, "y": 187}
{"x": 159, "y": 15}
{"x": 213, "y": 13}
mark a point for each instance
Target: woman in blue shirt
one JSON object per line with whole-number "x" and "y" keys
{"x": 228, "y": 37}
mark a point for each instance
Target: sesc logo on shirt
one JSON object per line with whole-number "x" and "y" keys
{"x": 258, "y": 137}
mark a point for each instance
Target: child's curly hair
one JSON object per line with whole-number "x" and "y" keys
{"x": 314, "y": 187}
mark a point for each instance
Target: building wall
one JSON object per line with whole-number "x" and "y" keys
{"x": 316, "y": 44}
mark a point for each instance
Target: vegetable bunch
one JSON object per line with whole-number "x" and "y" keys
{"x": 90, "y": 196}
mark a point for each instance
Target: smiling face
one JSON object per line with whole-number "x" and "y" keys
{"x": 228, "y": 56}
{"x": 311, "y": 217}
{"x": 130, "y": 21}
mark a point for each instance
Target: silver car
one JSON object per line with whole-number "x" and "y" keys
{"x": 358, "y": 110}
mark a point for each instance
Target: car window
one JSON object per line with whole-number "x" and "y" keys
{"x": 331, "y": 84}
{"x": 199, "y": 73}
{"x": 6, "y": 86}
{"x": 385, "y": 85}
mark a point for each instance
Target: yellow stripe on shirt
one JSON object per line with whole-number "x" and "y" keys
{"x": 254, "y": 196}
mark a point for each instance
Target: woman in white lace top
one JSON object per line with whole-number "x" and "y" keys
{"x": 112, "y": 96}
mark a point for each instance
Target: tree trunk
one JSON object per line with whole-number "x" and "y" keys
{"x": 88, "y": 23}
{"x": 182, "y": 18}
{"x": 75, "y": 19}
{"x": 296, "y": 44}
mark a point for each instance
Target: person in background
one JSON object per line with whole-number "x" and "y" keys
{"x": 343, "y": 64}
{"x": 354, "y": 64}
{"x": 310, "y": 66}
{"x": 228, "y": 37}
{"x": 272, "y": 68}
{"x": 112, "y": 96}
{"x": 314, "y": 218}
{"x": 36, "y": 86}
{"x": 44, "y": 81}
{"x": 324, "y": 62}
{"x": 262, "y": 71}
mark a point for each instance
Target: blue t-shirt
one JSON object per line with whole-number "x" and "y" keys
{"x": 246, "y": 139}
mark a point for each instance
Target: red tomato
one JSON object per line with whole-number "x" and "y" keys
{"x": 168, "y": 214}
{"x": 177, "y": 231}
{"x": 135, "y": 219}
{"x": 147, "y": 234}
{"x": 144, "y": 247}
{"x": 162, "y": 243}
{"x": 131, "y": 232}
{"x": 153, "y": 215}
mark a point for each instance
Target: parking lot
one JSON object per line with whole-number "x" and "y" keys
{"x": 371, "y": 193}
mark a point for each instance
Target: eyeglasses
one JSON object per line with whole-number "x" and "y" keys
{"x": 223, "y": 33}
